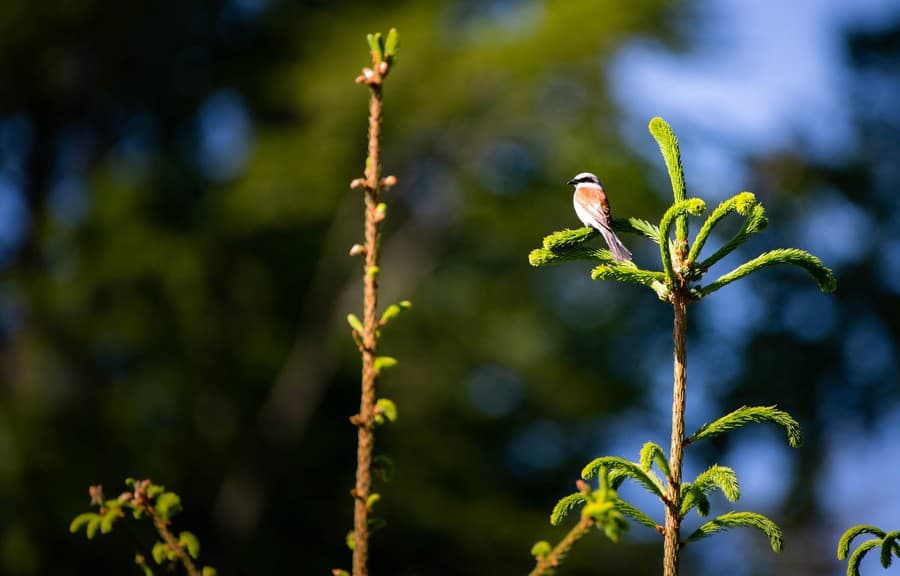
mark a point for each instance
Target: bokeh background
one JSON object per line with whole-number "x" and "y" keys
{"x": 175, "y": 219}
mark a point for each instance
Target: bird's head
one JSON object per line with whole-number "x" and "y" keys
{"x": 585, "y": 178}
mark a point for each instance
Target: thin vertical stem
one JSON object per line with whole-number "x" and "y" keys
{"x": 673, "y": 506}
{"x": 365, "y": 419}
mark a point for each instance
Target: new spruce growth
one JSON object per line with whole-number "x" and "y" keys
{"x": 366, "y": 333}
{"x": 145, "y": 500}
{"x": 680, "y": 282}
{"x": 887, "y": 542}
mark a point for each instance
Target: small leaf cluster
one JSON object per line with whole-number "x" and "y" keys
{"x": 682, "y": 264}
{"x": 888, "y": 542}
{"x": 144, "y": 500}
{"x": 383, "y": 50}
{"x": 603, "y": 506}
{"x": 652, "y": 469}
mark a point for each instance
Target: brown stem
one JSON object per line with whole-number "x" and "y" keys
{"x": 551, "y": 561}
{"x": 365, "y": 419}
{"x": 162, "y": 526}
{"x": 680, "y": 299}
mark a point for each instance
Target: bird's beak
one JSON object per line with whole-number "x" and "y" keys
{"x": 571, "y": 182}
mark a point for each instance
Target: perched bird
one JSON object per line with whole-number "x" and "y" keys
{"x": 592, "y": 208}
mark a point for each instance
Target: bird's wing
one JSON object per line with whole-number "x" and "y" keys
{"x": 595, "y": 204}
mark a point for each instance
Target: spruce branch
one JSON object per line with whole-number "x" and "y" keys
{"x": 742, "y": 203}
{"x": 566, "y": 246}
{"x": 569, "y": 238}
{"x": 671, "y": 152}
{"x": 858, "y": 555}
{"x": 637, "y": 514}
{"x": 693, "y": 206}
{"x": 619, "y": 467}
{"x": 751, "y": 415}
{"x": 636, "y": 226}
{"x": 566, "y": 505}
{"x": 600, "y": 507}
{"x": 652, "y": 453}
{"x": 793, "y": 256}
{"x": 547, "y": 256}
{"x": 741, "y": 520}
{"x": 697, "y": 492}
{"x": 847, "y": 538}
{"x": 755, "y": 221}
{"x": 627, "y": 271}
{"x": 889, "y": 543}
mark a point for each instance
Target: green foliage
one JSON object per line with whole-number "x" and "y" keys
{"x": 108, "y": 519}
{"x": 889, "y": 543}
{"x": 391, "y": 46}
{"x": 190, "y": 543}
{"x": 569, "y": 238}
{"x": 541, "y": 549}
{"x": 566, "y": 505}
{"x": 376, "y": 46}
{"x": 756, "y": 221}
{"x": 383, "y": 362}
{"x": 847, "y": 538}
{"x": 160, "y": 552}
{"x": 627, "y": 271}
{"x": 750, "y": 415}
{"x": 354, "y": 323}
{"x": 652, "y": 453}
{"x": 145, "y": 499}
{"x": 384, "y": 49}
{"x": 695, "y": 494}
{"x": 679, "y": 210}
{"x": 637, "y": 226}
{"x": 83, "y": 520}
{"x": 393, "y": 311}
{"x": 742, "y": 203}
{"x": 168, "y": 504}
{"x": 544, "y": 256}
{"x": 141, "y": 563}
{"x": 620, "y": 467}
{"x": 602, "y": 507}
{"x": 385, "y": 411}
{"x": 741, "y": 520}
{"x": 671, "y": 152}
{"x": 823, "y": 275}
{"x": 636, "y": 514}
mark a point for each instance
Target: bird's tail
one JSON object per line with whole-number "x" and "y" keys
{"x": 619, "y": 251}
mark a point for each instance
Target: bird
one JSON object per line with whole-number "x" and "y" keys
{"x": 592, "y": 208}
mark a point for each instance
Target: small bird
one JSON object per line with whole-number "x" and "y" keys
{"x": 592, "y": 208}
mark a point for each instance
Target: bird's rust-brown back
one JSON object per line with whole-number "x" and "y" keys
{"x": 593, "y": 198}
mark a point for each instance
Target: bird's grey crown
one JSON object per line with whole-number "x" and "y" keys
{"x": 585, "y": 177}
